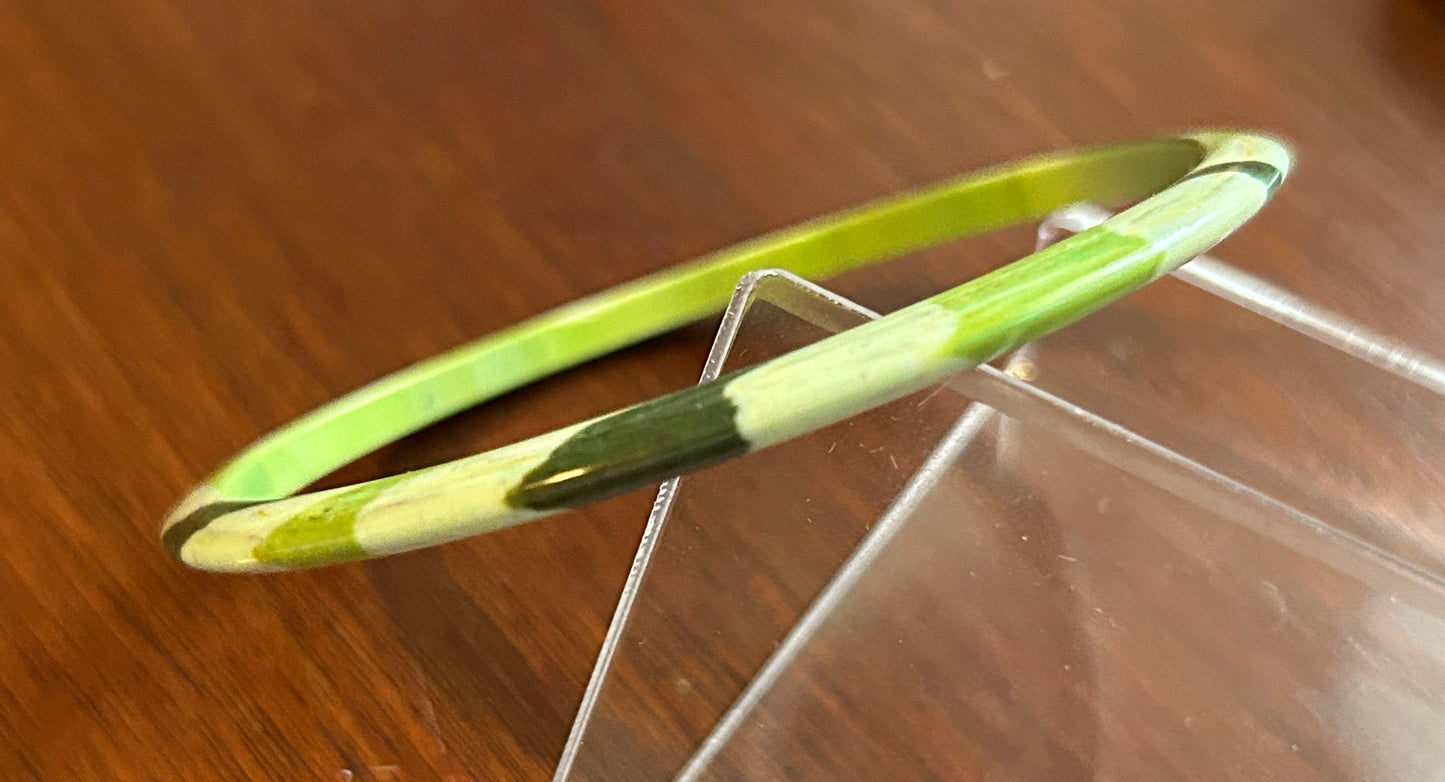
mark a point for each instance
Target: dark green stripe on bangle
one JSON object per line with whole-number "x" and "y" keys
{"x": 643, "y": 444}
{"x": 176, "y": 535}
{"x": 1262, "y": 172}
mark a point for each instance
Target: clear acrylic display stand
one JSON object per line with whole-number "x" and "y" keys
{"x": 1043, "y": 570}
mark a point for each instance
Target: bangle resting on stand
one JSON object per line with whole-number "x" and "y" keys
{"x": 1191, "y": 192}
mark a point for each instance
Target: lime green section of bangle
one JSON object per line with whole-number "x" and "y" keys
{"x": 1197, "y": 189}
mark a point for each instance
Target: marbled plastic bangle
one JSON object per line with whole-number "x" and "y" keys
{"x": 1196, "y": 189}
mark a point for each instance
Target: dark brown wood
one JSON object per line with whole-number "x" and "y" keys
{"x": 214, "y": 217}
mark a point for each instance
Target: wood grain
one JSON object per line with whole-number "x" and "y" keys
{"x": 216, "y": 216}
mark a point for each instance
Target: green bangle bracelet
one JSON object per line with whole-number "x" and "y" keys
{"x": 1196, "y": 189}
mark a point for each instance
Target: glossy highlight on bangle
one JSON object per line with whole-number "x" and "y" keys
{"x": 1191, "y": 191}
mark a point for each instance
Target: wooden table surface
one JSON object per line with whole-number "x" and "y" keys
{"x": 215, "y": 216}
